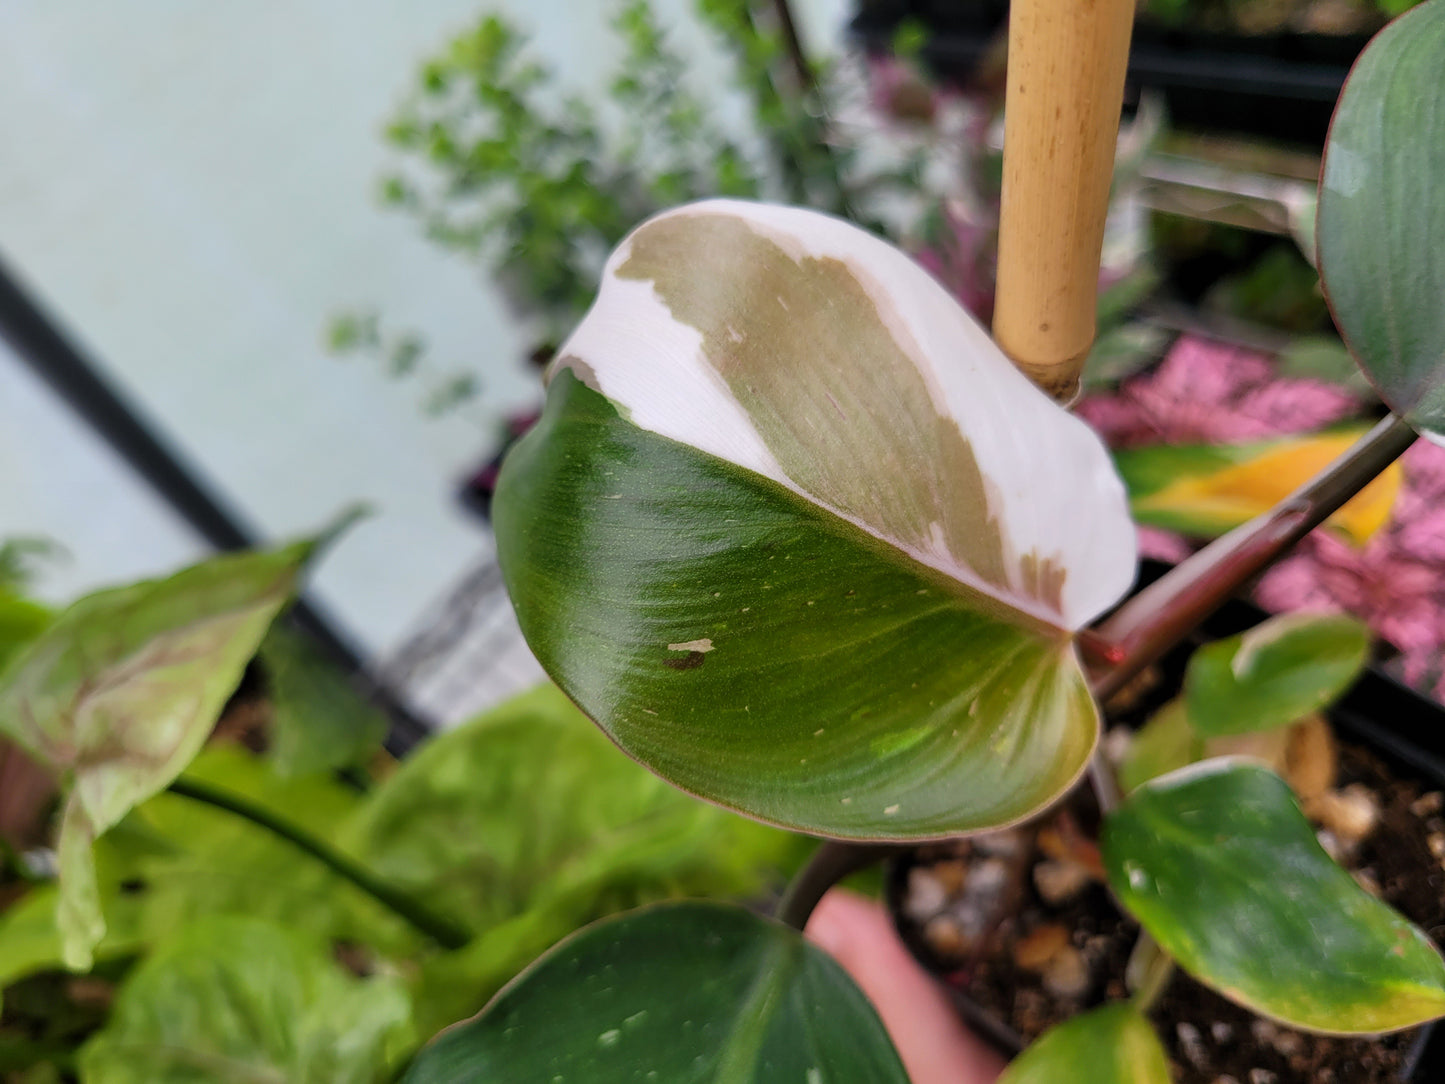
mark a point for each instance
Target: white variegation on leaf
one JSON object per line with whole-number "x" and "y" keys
{"x": 804, "y": 348}
{"x": 802, "y": 540}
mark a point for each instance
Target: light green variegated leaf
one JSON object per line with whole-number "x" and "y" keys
{"x": 1275, "y": 674}
{"x": 804, "y": 542}
{"x": 1381, "y": 218}
{"x": 686, "y": 993}
{"x": 1219, "y": 865}
{"x": 233, "y": 1000}
{"x": 118, "y": 693}
{"x": 1112, "y": 1045}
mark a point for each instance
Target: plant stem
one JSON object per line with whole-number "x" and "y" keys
{"x": 830, "y": 863}
{"x": 441, "y": 930}
{"x": 1148, "y": 972}
{"x": 1162, "y": 615}
{"x": 788, "y": 28}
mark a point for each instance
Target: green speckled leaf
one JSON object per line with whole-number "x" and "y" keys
{"x": 1112, "y": 1045}
{"x": 686, "y": 993}
{"x": 1381, "y": 219}
{"x": 1219, "y": 865}
{"x": 118, "y": 693}
{"x": 1275, "y": 674}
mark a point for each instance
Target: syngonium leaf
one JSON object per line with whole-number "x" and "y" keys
{"x": 1111, "y": 1045}
{"x": 688, "y": 993}
{"x": 1219, "y": 865}
{"x": 1205, "y": 490}
{"x": 20, "y": 622}
{"x": 118, "y": 693}
{"x": 1381, "y": 216}
{"x": 799, "y": 537}
{"x": 234, "y": 1000}
{"x": 1275, "y": 674}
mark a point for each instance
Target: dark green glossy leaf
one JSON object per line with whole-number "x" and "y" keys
{"x": 239, "y": 1001}
{"x": 1161, "y": 745}
{"x": 320, "y": 722}
{"x": 1219, "y": 865}
{"x": 526, "y": 823}
{"x": 1381, "y": 224}
{"x": 118, "y": 693}
{"x": 687, "y": 993}
{"x": 1112, "y": 1045}
{"x": 1274, "y": 674}
{"x": 764, "y": 653}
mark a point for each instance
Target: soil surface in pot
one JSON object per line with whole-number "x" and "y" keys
{"x": 1020, "y": 922}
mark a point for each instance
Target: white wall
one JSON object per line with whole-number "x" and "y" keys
{"x": 190, "y": 188}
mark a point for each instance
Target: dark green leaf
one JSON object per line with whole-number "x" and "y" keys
{"x": 688, "y": 993}
{"x": 1274, "y": 674}
{"x": 1112, "y": 1045}
{"x": 1219, "y": 865}
{"x": 1382, "y": 215}
{"x": 240, "y": 1001}
{"x": 20, "y": 622}
{"x": 119, "y": 692}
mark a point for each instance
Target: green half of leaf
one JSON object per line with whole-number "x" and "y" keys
{"x": 1274, "y": 674}
{"x": 766, "y": 654}
{"x": 1112, "y": 1045}
{"x": 1161, "y": 745}
{"x": 1382, "y": 215}
{"x": 240, "y": 1001}
{"x": 1219, "y": 865}
{"x": 119, "y": 692}
{"x": 687, "y": 993}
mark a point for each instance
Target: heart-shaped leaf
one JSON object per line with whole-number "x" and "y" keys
{"x": 118, "y": 693}
{"x": 1381, "y": 226}
{"x": 1274, "y": 674}
{"x": 799, "y": 537}
{"x": 1219, "y": 865}
{"x": 687, "y": 993}
{"x": 1204, "y": 490}
{"x": 1112, "y": 1045}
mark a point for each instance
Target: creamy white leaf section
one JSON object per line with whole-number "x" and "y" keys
{"x": 803, "y": 348}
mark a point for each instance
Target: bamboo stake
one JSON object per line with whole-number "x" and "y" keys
{"x": 1066, "y": 66}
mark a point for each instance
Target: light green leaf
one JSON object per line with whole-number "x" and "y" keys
{"x": 1218, "y": 863}
{"x": 320, "y": 722}
{"x": 1275, "y": 674}
{"x": 203, "y": 861}
{"x": 1111, "y": 1045}
{"x": 526, "y": 823}
{"x": 119, "y": 692}
{"x": 1381, "y": 215}
{"x": 803, "y": 541}
{"x": 687, "y": 993}
{"x": 1161, "y": 745}
{"x": 1205, "y": 490}
{"x": 240, "y": 1001}
{"x": 20, "y": 622}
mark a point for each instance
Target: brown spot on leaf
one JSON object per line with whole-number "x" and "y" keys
{"x": 690, "y": 661}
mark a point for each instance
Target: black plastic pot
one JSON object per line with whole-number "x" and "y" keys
{"x": 1278, "y": 86}
{"x": 1405, "y": 729}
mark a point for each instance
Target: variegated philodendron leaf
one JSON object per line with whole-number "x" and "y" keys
{"x": 800, "y": 538}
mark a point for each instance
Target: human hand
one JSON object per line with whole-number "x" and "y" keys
{"x": 935, "y": 1046}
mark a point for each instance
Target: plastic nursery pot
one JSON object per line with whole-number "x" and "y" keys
{"x": 1280, "y": 86}
{"x": 1396, "y": 726}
